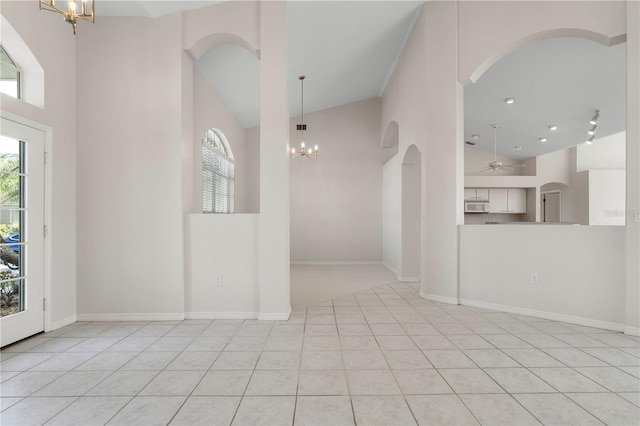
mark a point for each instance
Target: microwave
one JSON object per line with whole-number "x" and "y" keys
{"x": 476, "y": 207}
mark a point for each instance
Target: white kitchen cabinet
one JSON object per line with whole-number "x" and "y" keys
{"x": 482, "y": 193}
{"x": 498, "y": 200}
{"x": 476, "y": 193}
{"x": 470, "y": 193}
{"x": 508, "y": 200}
{"x": 517, "y": 200}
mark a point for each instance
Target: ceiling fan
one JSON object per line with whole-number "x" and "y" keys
{"x": 496, "y": 165}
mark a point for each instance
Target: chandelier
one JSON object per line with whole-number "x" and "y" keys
{"x": 71, "y": 15}
{"x": 303, "y": 151}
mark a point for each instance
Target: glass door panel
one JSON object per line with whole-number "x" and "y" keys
{"x": 12, "y": 179}
{"x": 21, "y": 231}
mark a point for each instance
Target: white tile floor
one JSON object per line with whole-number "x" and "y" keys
{"x": 381, "y": 356}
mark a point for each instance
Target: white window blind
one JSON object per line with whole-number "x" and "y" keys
{"x": 218, "y": 175}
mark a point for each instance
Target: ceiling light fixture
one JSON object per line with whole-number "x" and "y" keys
{"x": 594, "y": 127}
{"x": 71, "y": 15}
{"x": 475, "y": 137}
{"x": 517, "y": 148}
{"x": 303, "y": 151}
{"x": 553, "y": 127}
{"x": 510, "y": 100}
{"x": 543, "y": 139}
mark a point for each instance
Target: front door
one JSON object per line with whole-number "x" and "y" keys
{"x": 21, "y": 231}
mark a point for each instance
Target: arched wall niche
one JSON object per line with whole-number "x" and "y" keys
{"x": 390, "y": 141}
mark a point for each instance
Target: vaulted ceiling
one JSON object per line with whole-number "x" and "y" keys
{"x": 348, "y": 49}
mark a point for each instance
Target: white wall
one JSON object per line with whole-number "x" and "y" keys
{"x": 580, "y": 270}
{"x": 425, "y": 99}
{"x": 252, "y": 139}
{"x": 607, "y": 197}
{"x": 59, "y": 113}
{"x": 130, "y": 224}
{"x": 224, "y": 246}
{"x": 210, "y": 112}
{"x": 605, "y": 153}
{"x": 336, "y": 209}
{"x": 392, "y": 212}
{"x": 456, "y": 42}
{"x": 633, "y": 168}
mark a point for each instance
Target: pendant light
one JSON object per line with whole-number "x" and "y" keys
{"x": 303, "y": 151}
{"x": 71, "y": 15}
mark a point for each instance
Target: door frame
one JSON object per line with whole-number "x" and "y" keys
{"x": 48, "y": 135}
{"x": 552, "y": 191}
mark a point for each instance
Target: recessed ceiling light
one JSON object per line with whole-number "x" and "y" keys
{"x": 553, "y": 127}
{"x": 543, "y": 139}
{"x": 509, "y": 100}
{"x": 517, "y": 148}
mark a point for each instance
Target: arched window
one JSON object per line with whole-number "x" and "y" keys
{"x": 218, "y": 173}
{"x": 9, "y": 75}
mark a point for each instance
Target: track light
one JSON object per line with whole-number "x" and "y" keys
{"x": 589, "y": 141}
{"x": 592, "y": 131}
{"x": 595, "y": 118}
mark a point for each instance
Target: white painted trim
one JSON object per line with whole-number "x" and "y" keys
{"x": 132, "y": 317}
{"x": 220, "y": 315}
{"x": 408, "y": 279}
{"x": 274, "y": 316}
{"x": 571, "y": 319}
{"x": 48, "y": 178}
{"x": 441, "y": 299}
{"x": 390, "y": 268}
{"x": 334, "y": 262}
{"x": 632, "y": 331}
{"x": 63, "y": 322}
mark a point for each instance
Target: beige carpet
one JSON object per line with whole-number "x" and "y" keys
{"x": 313, "y": 284}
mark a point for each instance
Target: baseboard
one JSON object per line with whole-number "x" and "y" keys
{"x": 132, "y": 317}
{"x": 408, "y": 279}
{"x": 274, "y": 316}
{"x": 220, "y": 315}
{"x": 335, "y": 262}
{"x": 441, "y": 299}
{"x": 63, "y": 322}
{"x": 571, "y": 319}
{"x": 632, "y": 331}
{"x": 390, "y": 268}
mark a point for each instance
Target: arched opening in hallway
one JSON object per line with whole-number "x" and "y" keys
{"x": 410, "y": 252}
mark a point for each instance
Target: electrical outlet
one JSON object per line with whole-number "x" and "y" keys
{"x": 534, "y": 279}
{"x": 217, "y": 280}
